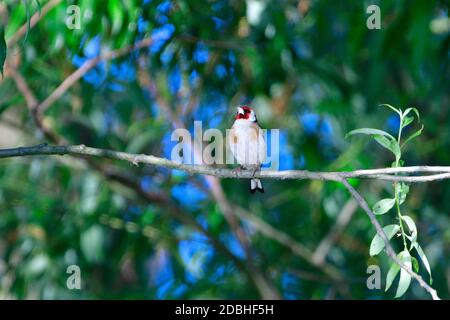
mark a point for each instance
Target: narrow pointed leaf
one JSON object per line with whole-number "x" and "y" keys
{"x": 405, "y": 277}
{"x": 414, "y": 135}
{"x": 392, "y": 273}
{"x": 424, "y": 259}
{"x": 3, "y": 49}
{"x": 383, "y": 206}
{"x": 369, "y": 131}
{"x": 401, "y": 190}
{"x": 407, "y": 121}
{"x": 377, "y": 243}
{"x": 28, "y": 14}
{"x": 392, "y": 108}
{"x": 390, "y": 144}
{"x": 414, "y": 110}
{"x": 39, "y": 7}
{"x": 415, "y": 264}
{"x": 412, "y": 228}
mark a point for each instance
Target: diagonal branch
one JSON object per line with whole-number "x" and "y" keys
{"x": 286, "y": 240}
{"x": 88, "y": 65}
{"x": 389, "y": 250}
{"x": 344, "y": 217}
{"x": 297, "y": 248}
{"x": 33, "y": 21}
{"x": 31, "y": 102}
{"x": 40, "y": 108}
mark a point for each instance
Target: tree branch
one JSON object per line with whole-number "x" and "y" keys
{"x": 387, "y": 174}
{"x": 88, "y": 65}
{"x": 344, "y": 217}
{"x": 33, "y": 21}
{"x": 32, "y": 103}
{"x": 389, "y": 250}
{"x": 298, "y": 249}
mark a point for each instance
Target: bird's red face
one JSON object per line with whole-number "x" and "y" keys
{"x": 244, "y": 113}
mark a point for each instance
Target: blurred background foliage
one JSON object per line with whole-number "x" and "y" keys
{"x": 311, "y": 68}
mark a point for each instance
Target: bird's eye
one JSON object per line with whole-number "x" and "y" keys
{"x": 247, "y": 111}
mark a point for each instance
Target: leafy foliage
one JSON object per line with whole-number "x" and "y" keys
{"x": 401, "y": 190}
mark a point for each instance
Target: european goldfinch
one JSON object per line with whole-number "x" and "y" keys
{"x": 247, "y": 143}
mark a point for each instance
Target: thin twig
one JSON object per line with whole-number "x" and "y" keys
{"x": 88, "y": 65}
{"x": 297, "y": 248}
{"x": 33, "y": 21}
{"x": 32, "y": 104}
{"x": 327, "y": 242}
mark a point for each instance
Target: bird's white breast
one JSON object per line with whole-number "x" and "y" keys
{"x": 247, "y": 144}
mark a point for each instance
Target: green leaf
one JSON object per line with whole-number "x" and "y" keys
{"x": 377, "y": 243}
{"x": 383, "y": 141}
{"x": 401, "y": 189}
{"x": 405, "y": 277}
{"x": 139, "y": 126}
{"x": 215, "y": 219}
{"x": 392, "y": 108}
{"x": 91, "y": 243}
{"x": 424, "y": 259}
{"x": 414, "y": 135}
{"x": 383, "y": 206}
{"x": 392, "y": 273}
{"x": 38, "y": 3}
{"x": 397, "y": 165}
{"x": 415, "y": 264}
{"x": 116, "y": 13}
{"x": 3, "y": 49}
{"x": 28, "y": 14}
{"x": 149, "y": 216}
{"x": 140, "y": 142}
{"x": 38, "y": 264}
{"x": 390, "y": 144}
{"x": 407, "y": 121}
{"x": 369, "y": 131}
{"x": 414, "y": 110}
{"x": 412, "y": 228}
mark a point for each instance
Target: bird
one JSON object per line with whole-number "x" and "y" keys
{"x": 247, "y": 143}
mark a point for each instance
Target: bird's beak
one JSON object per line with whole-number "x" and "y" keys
{"x": 240, "y": 110}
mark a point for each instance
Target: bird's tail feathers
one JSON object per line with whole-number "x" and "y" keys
{"x": 255, "y": 184}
